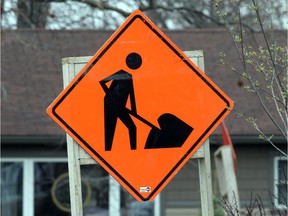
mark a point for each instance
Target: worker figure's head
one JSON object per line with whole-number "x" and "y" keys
{"x": 133, "y": 60}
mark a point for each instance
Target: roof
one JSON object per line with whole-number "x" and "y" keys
{"x": 32, "y": 78}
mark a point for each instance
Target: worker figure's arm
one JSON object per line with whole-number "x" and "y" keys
{"x": 132, "y": 99}
{"x": 103, "y": 84}
{"x": 116, "y": 76}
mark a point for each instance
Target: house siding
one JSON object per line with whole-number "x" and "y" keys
{"x": 254, "y": 168}
{"x": 30, "y": 84}
{"x": 254, "y": 176}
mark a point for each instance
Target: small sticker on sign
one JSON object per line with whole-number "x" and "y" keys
{"x": 145, "y": 189}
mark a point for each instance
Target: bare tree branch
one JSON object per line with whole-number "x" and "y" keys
{"x": 105, "y": 6}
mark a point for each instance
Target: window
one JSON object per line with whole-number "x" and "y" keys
{"x": 11, "y": 188}
{"x": 280, "y": 185}
{"x": 26, "y": 186}
{"x": 102, "y": 189}
{"x": 40, "y": 186}
{"x": 45, "y": 174}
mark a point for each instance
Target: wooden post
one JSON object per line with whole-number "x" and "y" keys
{"x": 77, "y": 156}
{"x": 69, "y": 71}
{"x": 203, "y": 154}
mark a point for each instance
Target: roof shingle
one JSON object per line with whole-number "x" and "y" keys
{"x": 32, "y": 77}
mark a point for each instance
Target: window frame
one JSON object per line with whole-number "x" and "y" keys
{"x": 276, "y": 182}
{"x": 28, "y": 186}
{"x": 28, "y": 173}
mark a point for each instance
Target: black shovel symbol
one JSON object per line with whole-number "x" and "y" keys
{"x": 172, "y": 133}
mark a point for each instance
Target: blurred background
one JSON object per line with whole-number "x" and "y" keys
{"x": 245, "y": 54}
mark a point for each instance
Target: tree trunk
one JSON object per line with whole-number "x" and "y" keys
{"x": 32, "y": 14}
{"x": 2, "y": 7}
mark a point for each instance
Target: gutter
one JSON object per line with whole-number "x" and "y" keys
{"x": 60, "y": 139}
{"x": 32, "y": 140}
{"x": 248, "y": 139}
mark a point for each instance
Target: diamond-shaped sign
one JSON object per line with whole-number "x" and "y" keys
{"x": 140, "y": 107}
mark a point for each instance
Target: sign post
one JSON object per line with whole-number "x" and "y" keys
{"x": 203, "y": 155}
{"x": 77, "y": 156}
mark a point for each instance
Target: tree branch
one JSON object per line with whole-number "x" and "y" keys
{"x": 266, "y": 42}
{"x": 254, "y": 125}
{"x": 104, "y": 6}
{"x": 242, "y": 59}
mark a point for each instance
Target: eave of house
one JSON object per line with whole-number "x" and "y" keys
{"x": 60, "y": 140}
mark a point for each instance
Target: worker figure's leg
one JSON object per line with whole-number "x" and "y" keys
{"x": 110, "y": 126}
{"x": 128, "y": 122}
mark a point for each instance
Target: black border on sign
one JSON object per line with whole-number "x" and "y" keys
{"x": 96, "y": 153}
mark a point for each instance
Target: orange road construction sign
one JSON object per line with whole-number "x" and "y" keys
{"x": 140, "y": 107}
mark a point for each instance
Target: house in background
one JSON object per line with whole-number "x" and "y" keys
{"x": 34, "y": 158}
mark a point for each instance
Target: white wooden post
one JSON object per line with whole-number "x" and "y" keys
{"x": 203, "y": 154}
{"x": 77, "y": 156}
{"x": 205, "y": 176}
{"x": 114, "y": 197}
{"x": 28, "y": 188}
{"x": 157, "y": 205}
{"x": 69, "y": 71}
